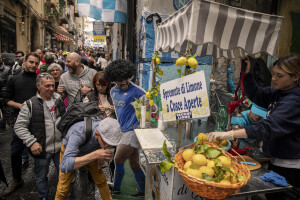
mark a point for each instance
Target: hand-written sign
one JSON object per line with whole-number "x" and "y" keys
{"x": 185, "y": 98}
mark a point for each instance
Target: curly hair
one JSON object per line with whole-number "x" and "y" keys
{"x": 119, "y": 70}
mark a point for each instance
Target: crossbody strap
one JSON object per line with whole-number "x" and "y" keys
{"x": 88, "y": 129}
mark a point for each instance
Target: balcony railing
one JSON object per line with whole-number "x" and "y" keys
{"x": 51, "y": 12}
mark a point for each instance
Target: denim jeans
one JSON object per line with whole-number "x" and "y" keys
{"x": 25, "y": 156}
{"x": 41, "y": 172}
{"x": 17, "y": 148}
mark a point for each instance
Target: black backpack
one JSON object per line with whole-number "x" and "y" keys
{"x": 80, "y": 111}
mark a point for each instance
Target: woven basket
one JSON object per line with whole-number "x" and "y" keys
{"x": 210, "y": 189}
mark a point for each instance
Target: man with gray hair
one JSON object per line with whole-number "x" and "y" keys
{"x": 78, "y": 151}
{"x": 36, "y": 126}
{"x": 77, "y": 82}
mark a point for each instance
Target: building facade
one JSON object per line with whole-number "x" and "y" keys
{"x": 28, "y": 25}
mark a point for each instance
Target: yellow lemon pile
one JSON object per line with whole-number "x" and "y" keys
{"x": 211, "y": 164}
{"x": 202, "y": 137}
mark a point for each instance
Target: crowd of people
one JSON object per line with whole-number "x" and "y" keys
{"x": 54, "y": 82}
{"x": 57, "y": 80}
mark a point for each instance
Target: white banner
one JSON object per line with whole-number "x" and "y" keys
{"x": 185, "y": 98}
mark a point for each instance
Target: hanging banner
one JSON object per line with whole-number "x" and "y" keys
{"x": 104, "y": 10}
{"x": 185, "y": 98}
{"x": 99, "y": 38}
{"x": 98, "y": 28}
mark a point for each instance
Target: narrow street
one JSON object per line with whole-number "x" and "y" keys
{"x": 28, "y": 190}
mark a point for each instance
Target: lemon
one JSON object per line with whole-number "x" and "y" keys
{"x": 157, "y": 60}
{"x": 181, "y": 61}
{"x": 227, "y": 176}
{"x": 210, "y": 163}
{"x": 188, "y": 154}
{"x": 156, "y": 93}
{"x": 194, "y": 166}
{"x": 187, "y": 165}
{"x": 226, "y": 162}
{"x": 151, "y": 102}
{"x": 158, "y": 86}
{"x": 148, "y": 95}
{"x": 233, "y": 170}
{"x": 160, "y": 72}
{"x": 192, "y": 62}
{"x": 207, "y": 170}
{"x": 201, "y": 136}
{"x": 225, "y": 182}
{"x": 233, "y": 180}
{"x": 194, "y": 172}
{"x": 223, "y": 143}
{"x": 215, "y": 143}
{"x": 199, "y": 159}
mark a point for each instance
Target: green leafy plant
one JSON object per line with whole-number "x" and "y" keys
{"x": 206, "y": 177}
{"x": 166, "y": 165}
{"x": 241, "y": 178}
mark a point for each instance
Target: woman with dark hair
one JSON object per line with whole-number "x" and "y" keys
{"x": 101, "y": 95}
{"x": 280, "y": 131}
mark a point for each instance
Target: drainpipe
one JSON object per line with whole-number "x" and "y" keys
{"x": 28, "y": 27}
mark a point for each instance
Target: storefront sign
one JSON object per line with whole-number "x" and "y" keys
{"x": 99, "y": 38}
{"x": 185, "y": 98}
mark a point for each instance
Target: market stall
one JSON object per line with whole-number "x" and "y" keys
{"x": 202, "y": 28}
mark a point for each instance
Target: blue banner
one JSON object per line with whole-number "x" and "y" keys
{"x": 98, "y": 28}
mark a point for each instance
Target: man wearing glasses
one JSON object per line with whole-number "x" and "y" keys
{"x": 17, "y": 64}
{"x": 19, "y": 89}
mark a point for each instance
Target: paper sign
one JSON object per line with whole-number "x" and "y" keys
{"x": 185, "y": 98}
{"x": 99, "y": 38}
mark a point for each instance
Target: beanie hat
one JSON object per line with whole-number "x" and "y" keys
{"x": 110, "y": 131}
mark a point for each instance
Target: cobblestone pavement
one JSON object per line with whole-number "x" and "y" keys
{"x": 28, "y": 190}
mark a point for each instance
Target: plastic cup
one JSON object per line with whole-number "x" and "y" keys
{"x": 113, "y": 152}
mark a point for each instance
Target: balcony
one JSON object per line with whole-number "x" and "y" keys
{"x": 64, "y": 16}
{"x": 51, "y": 12}
{"x": 71, "y": 2}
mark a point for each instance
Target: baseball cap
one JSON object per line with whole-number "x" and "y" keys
{"x": 259, "y": 110}
{"x": 110, "y": 131}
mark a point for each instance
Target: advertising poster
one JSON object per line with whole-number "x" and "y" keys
{"x": 99, "y": 32}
